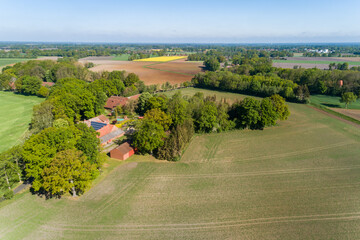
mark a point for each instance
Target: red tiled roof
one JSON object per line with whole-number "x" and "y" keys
{"x": 47, "y": 84}
{"x": 124, "y": 148}
{"x": 114, "y": 101}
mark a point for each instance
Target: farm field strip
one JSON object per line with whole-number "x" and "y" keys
{"x": 314, "y": 62}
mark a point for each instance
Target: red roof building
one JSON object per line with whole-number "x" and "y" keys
{"x": 115, "y": 101}
{"x": 122, "y": 152}
{"x": 47, "y": 84}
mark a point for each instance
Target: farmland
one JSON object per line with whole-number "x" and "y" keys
{"x": 280, "y": 183}
{"x": 174, "y": 72}
{"x": 15, "y": 116}
{"x": 8, "y": 61}
{"x": 310, "y": 62}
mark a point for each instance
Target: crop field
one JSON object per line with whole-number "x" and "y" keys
{"x": 8, "y": 61}
{"x": 160, "y": 59}
{"x": 174, "y": 72}
{"x": 311, "y": 62}
{"x": 15, "y": 115}
{"x": 297, "y": 180}
{"x": 122, "y": 57}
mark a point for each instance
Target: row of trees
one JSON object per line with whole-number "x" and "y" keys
{"x": 255, "y": 85}
{"x": 169, "y": 123}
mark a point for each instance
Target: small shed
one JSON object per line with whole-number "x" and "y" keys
{"x": 122, "y": 152}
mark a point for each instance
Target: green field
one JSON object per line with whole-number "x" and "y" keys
{"x": 7, "y": 61}
{"x": 314, "y": 62}
{"x": 297, "y": 180}
{"x": 332, "y": 102}
{"x": 123, "y": 57}
{"x": 15, "y": 116}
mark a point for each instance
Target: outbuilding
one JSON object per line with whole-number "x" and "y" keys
{"x": 122, "y": 152}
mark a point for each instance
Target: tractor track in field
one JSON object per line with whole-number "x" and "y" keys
{"x": 207, "y": 225}
{"x": 259, "y": 173}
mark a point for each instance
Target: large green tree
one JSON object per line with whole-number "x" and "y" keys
{"x": 148, "y": 136}
{"x": 68, "y": 171}
{"x": 159, "y": 117}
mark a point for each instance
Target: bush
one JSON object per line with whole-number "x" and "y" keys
{"x": 8, "y": 194}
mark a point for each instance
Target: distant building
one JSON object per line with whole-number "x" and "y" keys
{"x": 115, "y": 101}
{"x": 122, "y": 152}
{"x": 47, "y": 84}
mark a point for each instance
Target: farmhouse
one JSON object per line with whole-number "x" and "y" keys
{"x": 107, "y": 132}
{"x": 115, "y": 101}
{"x": 122, "y": 152}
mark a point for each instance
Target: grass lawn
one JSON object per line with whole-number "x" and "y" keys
{"x": 15, "y": 115}
{"x": 333, "y": 102}
{"x": 122, "y": 57}
{"x": 297, "y": 180}
{"x": 314, "y": 62}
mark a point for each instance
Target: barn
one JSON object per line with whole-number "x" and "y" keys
{"x": 122, "y": 152}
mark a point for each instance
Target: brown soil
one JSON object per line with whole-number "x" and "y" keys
{"x": 159, "y": 75}
{"x": 348, "y": 112}
{"x": 303, "y": 65}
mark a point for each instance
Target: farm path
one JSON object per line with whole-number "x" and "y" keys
{"x": 336, "y": 117}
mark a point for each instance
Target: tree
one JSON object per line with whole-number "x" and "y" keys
{"x": 89, "y": 144}
{"x": 246, "y": 113}
{"x": 68, "y": 171}
{"x": 348, "y": 98}
{"x": 148, "y": 136}
{"x": 206, "y": 121}
{"x": 280, "y": 107}
{"x": 177, "y": 109}
{"x": 131, "y": 79}
{"x": 28, "y": 85}
{"x": 42, "y": 117}
{"x": 211, "y": 64}
{"x": 141, "y": 107}
{"x": 43, "y": 92}
{"x": 268, "y": 114}
{"x": 159, "y": 117}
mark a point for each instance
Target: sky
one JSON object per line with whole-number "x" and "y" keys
{"x": 183, "y": 21}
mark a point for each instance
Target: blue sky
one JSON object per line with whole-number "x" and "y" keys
{"x": 256, "y": 21}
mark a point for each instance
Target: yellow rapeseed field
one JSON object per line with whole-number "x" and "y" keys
{"x": 160, "y": 59}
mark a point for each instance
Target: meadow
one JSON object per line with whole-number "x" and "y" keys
{"x": 333, "y": 102}
{"x": 122, "y": 57}
{"x": 8, "y": 61}
{"x": 297, "y": 180}
{"x": 15, "y": 116}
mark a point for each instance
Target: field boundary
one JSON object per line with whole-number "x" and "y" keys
{"x": 335, "y": 115}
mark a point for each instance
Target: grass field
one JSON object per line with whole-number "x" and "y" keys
{"x": 314, "y": 62}
{"x": 7, "y": 61}
{"x": 123, "y": 57}
{"x": 15, "y": 116}
{"x": 333, "y": 102}
{"x": 297, "y": 180}
{"x": 160, "y": 59}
